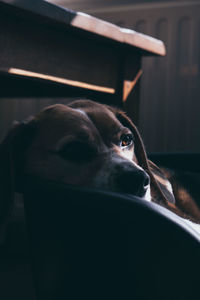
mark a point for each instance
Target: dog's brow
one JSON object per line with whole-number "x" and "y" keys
{"x": 126, "y": 130}
{"x": 65, "y": 140}
{"x": 81, "y": 111}
{"x": 81, "y": 136}
{"x": 84, "y": 114}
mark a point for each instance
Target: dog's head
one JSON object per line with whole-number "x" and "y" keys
{"x": 85, "y": 143}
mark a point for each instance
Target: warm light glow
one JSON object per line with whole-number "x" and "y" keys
{"x": 129, "y": 85}
{"x": 74, "y": 83}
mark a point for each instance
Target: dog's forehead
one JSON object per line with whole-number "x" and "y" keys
{"x": 61, "y": 114}
{"x": 60, "y": 119}
{"x": 102, "y": 117}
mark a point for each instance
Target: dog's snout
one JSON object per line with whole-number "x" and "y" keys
{"x": 146, "y": 181}
{"x": 134, "y": 182}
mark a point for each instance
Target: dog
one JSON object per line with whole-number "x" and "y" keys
{"x": 86, "y": 144}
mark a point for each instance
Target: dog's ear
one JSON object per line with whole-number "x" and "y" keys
{"x": 161, "y": 194}
{"x": 11, "y": 163}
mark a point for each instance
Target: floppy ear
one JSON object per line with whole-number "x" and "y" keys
{"x": 11, "y": 164}
{"x": 159, "y": 191}
{"x": 160, "y": 195}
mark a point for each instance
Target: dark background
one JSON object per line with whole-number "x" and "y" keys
{"x": 169, "y": 119}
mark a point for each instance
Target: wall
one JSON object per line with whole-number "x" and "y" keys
{"x": 170, "y": 98}
{"x": 170, "y": 87}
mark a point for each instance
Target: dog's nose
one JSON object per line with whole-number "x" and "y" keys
{"x": 133, "y": 182}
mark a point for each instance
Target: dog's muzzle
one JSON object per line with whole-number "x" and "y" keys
{"x": 133, "y": 181}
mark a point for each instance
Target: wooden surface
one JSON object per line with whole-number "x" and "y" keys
{"x": 87, "y": 23}
{"x": 50, "y": 51}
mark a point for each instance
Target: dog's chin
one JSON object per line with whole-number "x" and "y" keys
{"x": 145, "y": 196}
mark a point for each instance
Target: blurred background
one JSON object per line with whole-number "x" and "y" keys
{"x": 169, "y": 118}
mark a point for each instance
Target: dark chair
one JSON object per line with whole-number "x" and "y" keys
{"x": 88, "y": 244}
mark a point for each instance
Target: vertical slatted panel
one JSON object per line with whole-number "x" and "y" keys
{"x": 161, "y": 91}
{"x": 194, "y": 88}
{"x": 170, "y": 87}
{"x": 155, "y": 91}
{"x": 146, "y": 98}
{"x": 181, "y": 85}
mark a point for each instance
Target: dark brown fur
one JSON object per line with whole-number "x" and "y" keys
{"x": 13, "y": 154}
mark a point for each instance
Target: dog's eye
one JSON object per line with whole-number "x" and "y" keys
{"x": 77, "y": 151}
{"x": 126, "y": 140}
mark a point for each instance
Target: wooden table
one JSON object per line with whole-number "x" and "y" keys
{"x": 46, "y": 50}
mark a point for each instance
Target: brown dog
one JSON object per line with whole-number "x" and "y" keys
{"x": 86, "y": 144}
